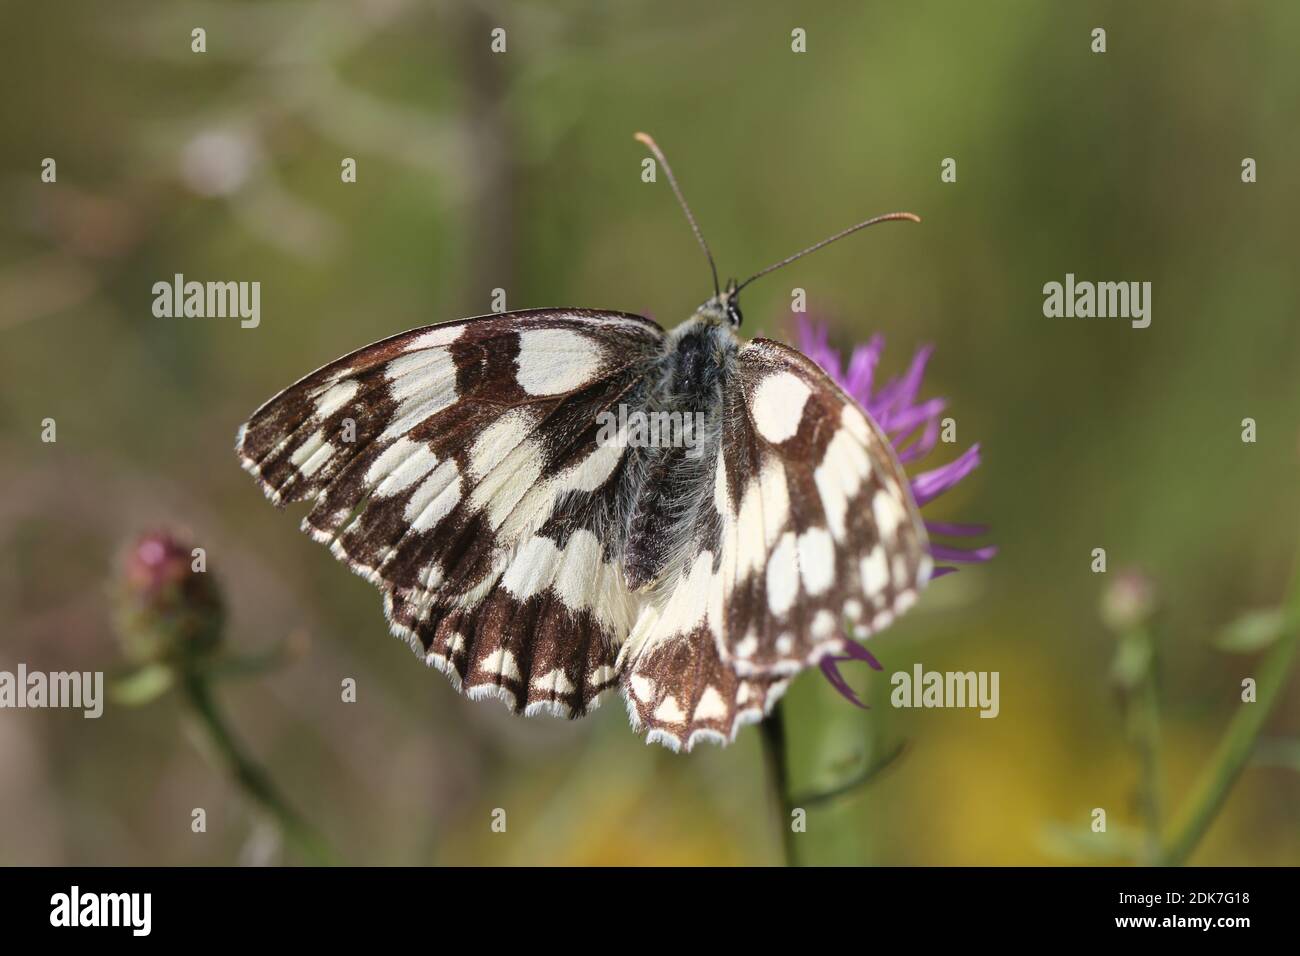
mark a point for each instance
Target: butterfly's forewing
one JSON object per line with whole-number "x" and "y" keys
{"x": 474, "y": 492}
{"x": 819, "y": 524}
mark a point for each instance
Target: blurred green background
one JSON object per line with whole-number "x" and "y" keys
{"x": 519, "y": 171}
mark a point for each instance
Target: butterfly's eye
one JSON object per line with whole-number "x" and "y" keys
{"x": 733, "y": 314}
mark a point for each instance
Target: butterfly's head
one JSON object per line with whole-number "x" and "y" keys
{"x": 723, "y": 307}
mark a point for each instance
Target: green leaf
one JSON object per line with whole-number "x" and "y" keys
{"x": 861, "y": 779}
{"x": 143, "y": 686}
{"x": 1253, "y": 631}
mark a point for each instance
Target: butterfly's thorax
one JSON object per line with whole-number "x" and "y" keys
{"x": 667, "y": 494}
{"x": 699, "y": 356}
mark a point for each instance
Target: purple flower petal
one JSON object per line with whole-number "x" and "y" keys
{"x": 837, "y": 680}
{"x": 956, "y": 530}
{"x": 904, "y": 423}
{"x": 944, "y": 553}
{"x": 931, "y": 484}
{"x": 862, "y": 369}
{"x": 911, "y": 383}
{"x": 855, "y": 651}
{"x": 923, "y": 446}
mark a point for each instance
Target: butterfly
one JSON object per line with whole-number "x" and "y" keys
{"x": 467, "y": 470}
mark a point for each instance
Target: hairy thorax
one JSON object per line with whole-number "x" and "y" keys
{"x": 668, "y": 492}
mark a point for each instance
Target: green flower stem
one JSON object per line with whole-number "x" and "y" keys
{"x": 248, "y": 665}
{"x": 1149, "y": 744}
{"x": 1238, "y": 743}
{"x": 251, "y": 778}
{"x": 1143, "y": 720}
{"x": 832, "y": 752}
{"x": 772, "y": 730}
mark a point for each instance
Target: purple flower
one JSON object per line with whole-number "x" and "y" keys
{"x": 913, "y": 426}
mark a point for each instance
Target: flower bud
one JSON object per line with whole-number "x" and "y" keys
{"x": 166, "y": 610}
{"x": 1129, "y": 600}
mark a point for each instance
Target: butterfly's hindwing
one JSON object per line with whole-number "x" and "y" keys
{"x": 810, "y": 525}
{"x": 818, "y": 515}
{"x": 682, "y": 692}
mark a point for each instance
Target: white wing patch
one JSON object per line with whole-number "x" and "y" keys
{"x": 711, "y": 705}
{"x": 555, "y": 361}
{"x": 435, "y": 498}
{"x": 439, "y": 335}
{"x": 499, "y": 439}
{"x": 501, "y": 663}
{"x": 423, "y": 384}
{"x": 335, "y": 397}
{"x": 782, "y": 576}
{"x": 840, "y": 475}
{"x": 817, "y": 560}
{"x": 777, "y": 405}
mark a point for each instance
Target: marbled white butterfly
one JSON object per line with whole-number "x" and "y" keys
{"x": 461, "y": 469}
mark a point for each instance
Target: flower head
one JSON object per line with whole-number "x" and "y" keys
{"x": 167, "y": 609}
{"x": 1129, "y": 600}
{"x": 912, "y": 425}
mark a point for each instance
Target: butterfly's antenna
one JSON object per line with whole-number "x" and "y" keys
{"x": 648, "y": 140}
{"x": 888, "y": 217}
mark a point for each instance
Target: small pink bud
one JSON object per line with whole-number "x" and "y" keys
{"x": 166, "y": 610}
